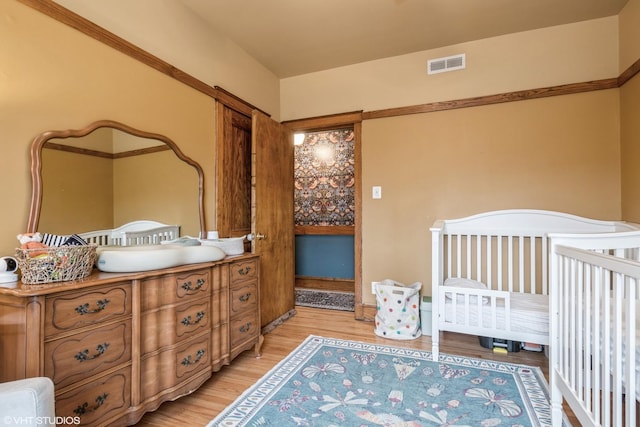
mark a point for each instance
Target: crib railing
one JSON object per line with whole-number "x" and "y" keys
{"x": 132, "y": 234}
{"x": 511, "y": 263}
{"x": 99, "y": 237}
{"x": 593, "y": 336}
{"x": 152, "y": 236}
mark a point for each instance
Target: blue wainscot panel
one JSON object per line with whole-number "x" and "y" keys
{"x": 325, "y": 256}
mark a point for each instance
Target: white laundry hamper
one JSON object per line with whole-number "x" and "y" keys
{"x": 398, "y": 305}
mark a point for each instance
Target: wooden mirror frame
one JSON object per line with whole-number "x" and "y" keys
{"x": 36, "y": 164}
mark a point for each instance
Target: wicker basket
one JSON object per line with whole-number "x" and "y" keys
{"x": 56, "y": 264}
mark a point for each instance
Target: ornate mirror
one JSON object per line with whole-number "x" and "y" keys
{"x": 109, "y": 174}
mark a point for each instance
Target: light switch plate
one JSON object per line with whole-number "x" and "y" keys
{"x": 376, "y": 192}
{"x": 373, "y": 287}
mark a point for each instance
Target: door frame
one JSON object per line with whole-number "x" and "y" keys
{"x": 337, "y": 121}
{"x": 271, "y": 156}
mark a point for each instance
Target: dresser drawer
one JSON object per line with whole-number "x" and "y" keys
{"x": 243, "y": 328}
{"x": 98, "y": 401}
{"x": 175, "y": 288}
{"x": 172, "y": 324}
{"x": 74, "y": 310}
{"x": 244, "y": 270}
{"x": 169, "y": 368}
{"x": 74, "y": 358}
{"x": 244, "y": 297}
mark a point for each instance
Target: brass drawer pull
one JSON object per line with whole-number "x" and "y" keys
{"x": 199, "y": 355}
{"x": 84, "y": 408}
{"x": 187, "y": 285}
{"x": 244, "y": 271}
{"x": 246, "y": 297}
{"x": 245, "y": 328}
{"x": 84, "y": 355}
{"x": 187, "y": 320}
{"x": 84, "y": 308}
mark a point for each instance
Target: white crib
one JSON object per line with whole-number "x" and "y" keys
{"x": 490, "y": 272}
{"x": 595, "y": 343}
{"x": 142, "y": 232}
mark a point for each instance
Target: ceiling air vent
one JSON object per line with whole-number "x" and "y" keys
{"x": 449, "y": 63}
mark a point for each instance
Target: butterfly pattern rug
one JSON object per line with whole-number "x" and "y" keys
{"x": 332, "y": 382}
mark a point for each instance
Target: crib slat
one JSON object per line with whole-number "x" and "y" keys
{"x": 594, "y": 405}
{"x": 586, "y": 335}
{"x": 572, "y": 324}
{"x": 578, "y": 329}
{"x": 489, "y": 258}
{"x": 617, "y": 352}
{"x": 510, "y": 260}
{"x": 565, "y": 320}
{"x": 532, "y": 264}
{"x": 630, "y": 361}
{"x": 468, "y": 245}
{"x": 545, "y": 257}
{"x": 458, "y": 255}
{"x": 449, "y": 252}
{"x": 499, "y": 255}
{"x": 478, "y": 257}
{"x": 606, "y": 342}
{"x": 521, "y": 264}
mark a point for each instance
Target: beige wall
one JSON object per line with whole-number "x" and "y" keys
{"x": 172, "y": 32}
{"x": 630, "y": 112}
{"x": 558, "y": 153}
{"x": 552, "y": 56}
{"x": 630, "y": 149}
{"x": 53, "y": 77}
{"x": 77, "y": 193}
{"x": 629, "y": 34}
{"x": 166, "y": 190}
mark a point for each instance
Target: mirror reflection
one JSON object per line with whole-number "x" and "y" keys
{"x": 109, "y": 177}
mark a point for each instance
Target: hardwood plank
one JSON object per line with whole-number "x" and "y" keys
{"x": 226, "y": 385}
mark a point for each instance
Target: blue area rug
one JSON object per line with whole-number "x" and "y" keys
{"x": 331, "y": 382}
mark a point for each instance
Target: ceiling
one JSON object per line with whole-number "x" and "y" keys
{"x": 293, "y": 37}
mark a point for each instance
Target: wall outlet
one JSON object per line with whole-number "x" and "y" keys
{"x": 373, "y": 287}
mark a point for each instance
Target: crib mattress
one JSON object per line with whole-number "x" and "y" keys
{"x": 529, "y": 314}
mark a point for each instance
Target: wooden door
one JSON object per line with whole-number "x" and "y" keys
{"x": 272, "y": 216}
{"x": 233, "y": 211}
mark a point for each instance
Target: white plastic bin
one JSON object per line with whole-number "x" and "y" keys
{"x": 425, "y": 315}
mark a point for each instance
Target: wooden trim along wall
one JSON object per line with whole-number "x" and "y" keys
{"x": 346, "y": 230}
{"x": 325, "y": 284}
{"x": 500, "y": 98}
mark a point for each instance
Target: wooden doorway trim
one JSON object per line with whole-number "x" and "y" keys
{"x": 336, "y": 121}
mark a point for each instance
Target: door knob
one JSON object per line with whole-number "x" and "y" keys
{"x": 256, "y": 236}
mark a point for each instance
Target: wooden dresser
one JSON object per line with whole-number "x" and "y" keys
{"x": 118, "y": 345}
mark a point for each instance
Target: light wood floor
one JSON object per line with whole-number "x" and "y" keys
{"x": 200, "y": 407}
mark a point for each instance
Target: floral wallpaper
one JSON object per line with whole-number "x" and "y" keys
{"x": 324, "y": 179}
